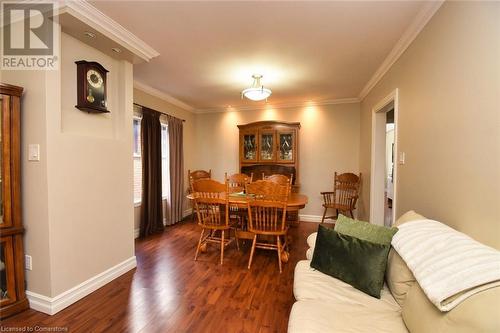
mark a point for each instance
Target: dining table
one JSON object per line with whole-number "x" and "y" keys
{"x": 295, "y": 202}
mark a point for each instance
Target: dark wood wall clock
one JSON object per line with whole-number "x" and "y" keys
{"x": 91, "y": 80}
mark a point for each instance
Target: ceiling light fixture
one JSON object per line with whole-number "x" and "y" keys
{"x": 256, "y": 92}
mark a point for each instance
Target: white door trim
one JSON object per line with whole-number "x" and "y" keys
{"x": 377, "y": 187}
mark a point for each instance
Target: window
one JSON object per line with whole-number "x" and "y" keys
{"x": 137, "y": 161}
{"x": 137, "y": 136}
{"x": 165, "y": 161}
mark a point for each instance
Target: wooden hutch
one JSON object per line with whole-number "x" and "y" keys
{"x": 270, "y": 147}
{"x": 12, "y": 292}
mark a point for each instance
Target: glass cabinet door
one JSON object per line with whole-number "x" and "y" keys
{"x": 267, "y": 146}
{"x": 249, "y": 147}
{"x": 7, "y": 283}
{"x": 286, "y": 146}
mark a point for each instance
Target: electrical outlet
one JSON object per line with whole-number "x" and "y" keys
{"x": 28, "y": 263}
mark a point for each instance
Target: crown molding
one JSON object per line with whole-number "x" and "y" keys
{"x": 420, "y": 21}
{"x": 163, "y": 96}
{"x": 96, "y": 19}
{"x": 278, "y": 106}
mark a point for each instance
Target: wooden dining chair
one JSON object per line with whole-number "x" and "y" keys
{"x": 267, "y": 215}
{"x": 194, "y": 176}
{"x": 212, "y": 209}
{"x": 198, "y": 174}
{"x": 344, "y": 196}
{"x": 279, "y": 178}
{"x": 238, "y": 181}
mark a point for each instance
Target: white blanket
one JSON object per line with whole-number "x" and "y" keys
{"x": 449, "y": 265}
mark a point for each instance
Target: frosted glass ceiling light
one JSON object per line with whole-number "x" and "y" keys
{"x": 256, "y": 92}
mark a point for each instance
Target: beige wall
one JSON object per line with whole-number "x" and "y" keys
{"x": 329, "y": 138}
{"x": 35, "y": 213}
{"x": 77, "y": 200}
{"x": 449, "y": 121}
{"x": 90, "y": 173}
{"x": 189, "y": 135}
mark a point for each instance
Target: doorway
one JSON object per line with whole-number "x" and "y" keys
{"x": 383, "y": 189}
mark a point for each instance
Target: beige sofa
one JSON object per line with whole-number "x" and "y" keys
{"x": 325, "y": 304}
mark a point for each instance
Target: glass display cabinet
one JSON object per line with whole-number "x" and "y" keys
{"x": 267, "y": 151}
{"x": 12, "y": 289}
{"x": 269, "y": 147}
{"x": 286, "y": 141}
{"x": 248, "y": 147}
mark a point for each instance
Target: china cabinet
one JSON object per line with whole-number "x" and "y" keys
{"x": 270, "y": 147}
{"x": 12, "y": 292}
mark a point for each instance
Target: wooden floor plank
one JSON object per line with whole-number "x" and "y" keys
{"x": 169, "y": 292}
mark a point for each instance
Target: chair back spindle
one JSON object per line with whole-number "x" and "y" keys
{"x": 267, "y": 208}
{"x": 211, "y": 203}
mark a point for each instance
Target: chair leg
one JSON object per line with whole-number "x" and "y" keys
{"x": 222, "y": 248}
{"x": 336, "y": 214}
{"x": 252, "y": 251}
{"x": 279, "y": 251}
{"x": 236, "y": 238}
{"x": 352, "y": 215}
{"x": 199, "y": 244}
{"x": 324, "y": 214}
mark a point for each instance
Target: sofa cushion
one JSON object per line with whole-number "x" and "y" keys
{"x": 309, "y": 254}
{"x": 311, "y": 284}
{"x": 479, "y": 313}
{"x": 316, "y": 316}
{"x": 398, "y": 276}
{"x": 359, "y": 262}
{"x": 311, "y": 240}
{"x": 364, "y": 230}
{"x": 410, "y": 215}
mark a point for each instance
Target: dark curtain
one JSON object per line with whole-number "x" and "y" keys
{"x": 174, "y": 206}
{"x": 151, "y": 204}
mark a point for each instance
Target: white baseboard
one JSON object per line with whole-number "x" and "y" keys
{"x": 52, "y": 305}
{"x": 187, "y": 212}
{"x": 313, "y": 218}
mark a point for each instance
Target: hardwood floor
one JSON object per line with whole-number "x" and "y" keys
{"x": 169, "y": 292}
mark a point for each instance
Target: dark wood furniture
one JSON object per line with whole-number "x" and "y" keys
{"x": 212, "y": 209}
{"x": 270, "y": 147}
{"x": 267, "y": 216}
{"x": 12, "y": 298}
{"x": 344, "y": 196}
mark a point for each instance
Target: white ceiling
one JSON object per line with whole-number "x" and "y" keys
{"x": 319, "y": 51}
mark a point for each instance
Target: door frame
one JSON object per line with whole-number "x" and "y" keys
{"x": 378, "y": 158}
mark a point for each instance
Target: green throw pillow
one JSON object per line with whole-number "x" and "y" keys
{"x": 364, "y": 230}
{"x": 358, "y": 262}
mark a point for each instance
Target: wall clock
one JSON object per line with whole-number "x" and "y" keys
{"x": 91, "y": 86}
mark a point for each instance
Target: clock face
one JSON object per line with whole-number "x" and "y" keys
{"x": 94, "y": 78}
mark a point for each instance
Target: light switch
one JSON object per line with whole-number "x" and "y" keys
{"x": 401, "y": 159}
{"x": 33, "y": 152}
